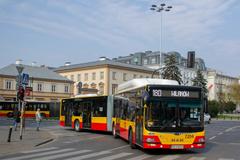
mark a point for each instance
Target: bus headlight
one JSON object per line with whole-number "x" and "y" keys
{"x": 199, "y": 139}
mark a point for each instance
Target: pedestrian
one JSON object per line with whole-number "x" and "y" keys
{"x": 16, "y": 116}
{"x": 38, "y": 118}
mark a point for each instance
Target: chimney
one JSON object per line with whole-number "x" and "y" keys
{"x": 191, "y": 59}
{"x": 67, "y": 64}
{"x": 18, "y": 61}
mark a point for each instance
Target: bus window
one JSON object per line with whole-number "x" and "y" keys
{"x": 100, "y": 107}
{"x": 77, "y": 108}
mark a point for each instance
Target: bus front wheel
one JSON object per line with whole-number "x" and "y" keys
{"x": 77, "y": 126}
{"x": 130, "y": 139}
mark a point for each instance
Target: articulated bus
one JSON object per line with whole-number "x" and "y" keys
{"x": 158, "y": 113}
{"x": 8, "y": 107}
{"x": 90, "y": 112}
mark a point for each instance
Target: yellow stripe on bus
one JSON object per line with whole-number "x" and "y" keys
{"x": 99, "y": 119}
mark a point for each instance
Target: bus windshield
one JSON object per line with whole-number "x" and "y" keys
{"x": 172, "y": 115}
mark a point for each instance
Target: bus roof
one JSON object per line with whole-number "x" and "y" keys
{"x": 138, "y": 83}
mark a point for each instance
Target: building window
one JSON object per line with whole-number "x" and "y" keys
{"x": 72, "y": 77}
{"x": 134, "y": 76}
{"x": 79, "y": 77}
{"x": 53, "y": 88}
{"x": 101, "y": 88}
{"x": 145, "y": 61}
{"x": 66, "y": 89}
{"x": 124, "y": 76}
{"x": 114, "y": 74}
{"x": 101, "y": 75}
{"x": 94, "y": 76}
{"x": 39, "y": 87}
{"x": 86, "y": 76}
{"x": 114, "y": 88}
{"x": 9, "y": 84}
{"x": 153, "y": 60}
{"x": 93, "y": 85}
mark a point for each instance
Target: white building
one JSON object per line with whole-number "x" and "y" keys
{"x": 219, "y": 83}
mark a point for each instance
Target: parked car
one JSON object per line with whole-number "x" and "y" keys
{"x": 207, "y": 118}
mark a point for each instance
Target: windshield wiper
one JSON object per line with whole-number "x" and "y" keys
{"x": 167, "y": 123}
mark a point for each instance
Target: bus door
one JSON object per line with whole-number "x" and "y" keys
{"x": 139, "y": 125}
{"x": 87, "y": 114}
{"x": 68, "y": 113}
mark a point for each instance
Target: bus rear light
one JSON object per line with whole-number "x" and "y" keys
{"x": 199, "y": 139}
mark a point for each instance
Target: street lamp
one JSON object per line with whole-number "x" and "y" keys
{"x": 161, "y": 8}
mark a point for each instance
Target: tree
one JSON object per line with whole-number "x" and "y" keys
{"x": 171, "y": 71}
{"x": 213, "y": 108}
{"x": 229, "y": 107}
{"x": 200, "y": 81}
{"x": 235, "y": 92}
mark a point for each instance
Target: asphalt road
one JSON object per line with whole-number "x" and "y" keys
{"x": 223, "y": 143}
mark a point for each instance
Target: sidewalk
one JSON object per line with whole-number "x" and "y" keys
{"x": 30, "y": 139}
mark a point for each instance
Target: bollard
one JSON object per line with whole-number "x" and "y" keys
{"x": 9, "y": 134}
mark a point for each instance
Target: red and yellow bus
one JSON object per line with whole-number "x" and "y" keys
{"x": 8, "y": 107}
{"x": 90, "y": 112}
{"x": 157, "y": 113}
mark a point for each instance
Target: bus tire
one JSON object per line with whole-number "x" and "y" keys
{"x": 114, "y": 131}
{"x": 77, "y": 126}
{"x": 130, "y": 139}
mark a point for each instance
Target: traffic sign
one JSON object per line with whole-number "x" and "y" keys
{"x": 25, "y": 78}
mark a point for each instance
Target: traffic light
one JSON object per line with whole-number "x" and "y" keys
{"x": 21, "y": 93}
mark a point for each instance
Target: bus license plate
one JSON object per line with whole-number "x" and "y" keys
{"x": 177, "y": 147}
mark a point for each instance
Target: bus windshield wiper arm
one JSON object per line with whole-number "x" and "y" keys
{"x": 167, "y": 123}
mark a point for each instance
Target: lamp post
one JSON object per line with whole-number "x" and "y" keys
{"x": 20, "y": 69}
{"x": 19, "y": 82}
{"x": 160, "y": 9}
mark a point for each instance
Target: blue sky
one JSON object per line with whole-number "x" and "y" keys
{"x": 52, "y": 32}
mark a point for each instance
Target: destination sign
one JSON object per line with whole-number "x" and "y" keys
{"x": 174, "y": 93}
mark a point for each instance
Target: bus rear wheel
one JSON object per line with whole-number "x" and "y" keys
{"x": 77, "y": 126}
{"x": 130, "y": 139}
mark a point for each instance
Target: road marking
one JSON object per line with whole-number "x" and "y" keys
{"x": 89, "y": 155}
{"x": 197, "y": 158}
{"x": 141, "y": 157}
{"x": 39, "y": 154}
{"x": 212, "y": 137}
{"x": 63, "y": 155}
{"x": 234, "y": 144}
{"x": 40, "y": 150}
{"x": 169, "y": 157}
{"x": 229, "y": 129}
{"x": 225, "y": 159}
{"x": 118, "y": 148}
{"x": 90, "y": 138}
{"x": 220, "y": 133}
{"x": 116, "y": 156}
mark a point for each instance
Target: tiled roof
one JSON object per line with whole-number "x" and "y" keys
{"x": 33, "y": 71}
